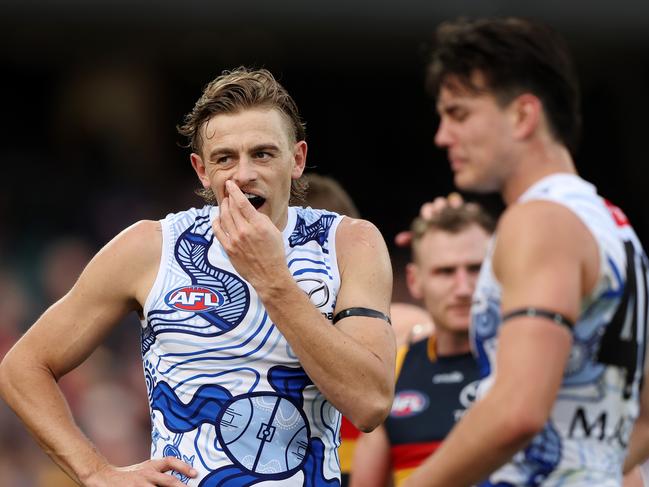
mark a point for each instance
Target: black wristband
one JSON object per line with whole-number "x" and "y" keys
{"x": 371, "y": 313}
{"x": 539, "y": 313}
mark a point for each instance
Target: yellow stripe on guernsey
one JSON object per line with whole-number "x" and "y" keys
{"x": 400, "y": 476}
{"x": 346, "y": 455}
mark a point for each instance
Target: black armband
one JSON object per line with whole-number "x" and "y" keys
{"x": 371, "y": 313}
{"x": 539, "y": 313}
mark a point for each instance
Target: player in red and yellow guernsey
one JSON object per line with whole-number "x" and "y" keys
{"x": 438, "y": 376}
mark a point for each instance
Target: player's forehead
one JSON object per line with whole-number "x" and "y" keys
{"x": 455, "y": 90}
{"x": 256, "y": 124}
{"x": 440, "y": 248}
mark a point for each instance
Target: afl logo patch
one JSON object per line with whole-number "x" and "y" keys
{"x": 408, "y": 403}
{"x": 194, "y": 298}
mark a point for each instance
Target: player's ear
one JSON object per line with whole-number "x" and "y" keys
{"x": 527, "y": 111}
{"x": 299, "y": 159}
{"x": 199, "y": 167}
{"x": 413, "y": 281}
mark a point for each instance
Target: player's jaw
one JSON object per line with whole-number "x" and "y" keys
{"x": 462, "y": 172}
{"x": 473, "y": 175}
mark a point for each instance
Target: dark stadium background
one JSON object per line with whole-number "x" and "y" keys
{"x": 355, "y": 68}
{"x": 92, "y": 91}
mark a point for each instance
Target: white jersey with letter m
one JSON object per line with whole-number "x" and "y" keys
{"x": 584, "y": 441}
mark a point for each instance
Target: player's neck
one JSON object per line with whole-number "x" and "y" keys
{"x": 449, "y": 343}
{"x": 537, "y": 162}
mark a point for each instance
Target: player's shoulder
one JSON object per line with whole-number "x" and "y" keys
{"x": 190, "y": 215}
{"x": 360, "y": 243}
{"x": 354, "y": 229}
{"x": 140, "y": 233}
{"x": 533, "y": 233}
{"x": 539, "y": 219}
{"x": 140, "y": 242}
{"x": 357, "y": 238}
{"x": 127, "y": 261}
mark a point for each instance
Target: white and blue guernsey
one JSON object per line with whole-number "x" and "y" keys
{"x": 227, "y": 394}
{"x": 585, "y": 438}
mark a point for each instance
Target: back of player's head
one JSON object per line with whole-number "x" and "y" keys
{"x": 327, "y": 193}
{"x": 236, "y": 91}
{"x": 512, "y": 56}
{"x": 452, "y": 219}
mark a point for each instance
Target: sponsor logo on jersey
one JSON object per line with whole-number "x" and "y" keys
{"x": 408, "y": 403}
{"x": 316, "y": 289}
{"x": 468, "y": 395}
{"x": 449, "y": 378}
{"x": 194, "y": 298}
{"x": 601, "y": 424}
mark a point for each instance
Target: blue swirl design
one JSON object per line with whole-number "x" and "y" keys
{"x": 191, "y": 254}
{"x": 204, "y": 407}
{"x": 317, "y": 231}
{"x": 289, "y": 382}
{"x": 213, "y": 404}
{"x": 583, "y": 364}
{"x": 233, "y": 476}
{"x": 582, "y": 367}
{"x": 313, "y": 474}
{"x": 147, "y": 339}
{"x": 542, "y": 456}
{"x": 485, "y": 319}
{"x": 538, "y": 461}
{"x": 149, "y": 379}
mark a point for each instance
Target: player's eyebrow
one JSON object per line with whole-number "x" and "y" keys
{"x": 219, "y": 151}
{"x": 264, "y": 147}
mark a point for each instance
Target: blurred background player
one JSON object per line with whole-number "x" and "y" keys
{"x": 438, "y": 376}
{"x": 408, "y": 320}
{"x": 559, "y": 317}
{"x": 325, "y": 192}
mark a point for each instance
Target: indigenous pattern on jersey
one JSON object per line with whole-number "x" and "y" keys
{"x": 584, "y": 441}
{"x": 431, "y": 395}
{"x": 227, "y": 394}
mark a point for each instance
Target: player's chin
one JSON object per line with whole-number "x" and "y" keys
{"x": 461, "y": 179}
{"x": 476, "y": 183}
{"x": 459, "y": 315}
{"x": 465, "y": 181}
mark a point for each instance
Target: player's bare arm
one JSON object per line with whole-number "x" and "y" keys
{"x": 113, "y": 284}
{"x": 371, "y": 464}
{"x": 351, "y": 363}
{"x": 544, "y": 258}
